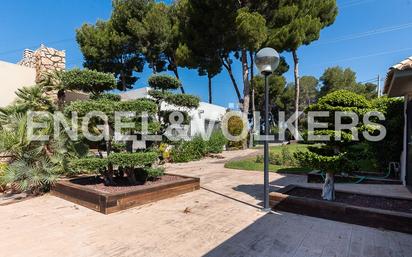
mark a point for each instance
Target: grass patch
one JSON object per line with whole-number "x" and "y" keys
{"x": 251, "y": 164}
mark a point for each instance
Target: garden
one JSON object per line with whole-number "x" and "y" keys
{"x": 77, "y": 153}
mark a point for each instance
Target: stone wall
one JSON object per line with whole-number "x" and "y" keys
{"x": 44, "y": 60}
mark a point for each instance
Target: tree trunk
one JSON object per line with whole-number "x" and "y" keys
{"x": 210, "y": 88}
{"x": 61, "y": 99}
{"x": 123, "y": 80}
{"x": 328, "y": 190}
{"x": 131, "y": 175}
{"x": 297, "y": 92}
{"x": 175, "y": 71}
{"x": 228, "y": 67}
{"x": 252, "y": 74}
{"x": 246, "y": 87}
{"x": 109, "y": 174}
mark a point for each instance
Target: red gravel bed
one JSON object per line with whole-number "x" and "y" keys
{"x": 377, "y": 202}
{"x": 122, "y": 185}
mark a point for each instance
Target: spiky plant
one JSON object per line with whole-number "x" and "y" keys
{"x": 35, "y": 165}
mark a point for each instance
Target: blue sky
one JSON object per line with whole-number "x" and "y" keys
{"x": 388, "y": 24}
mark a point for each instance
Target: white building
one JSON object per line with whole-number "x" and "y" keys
{"x": 200, "y": 118}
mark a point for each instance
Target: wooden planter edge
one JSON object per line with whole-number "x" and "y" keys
{"x": 107, "y": 203}
{"x": 365, "y": 216}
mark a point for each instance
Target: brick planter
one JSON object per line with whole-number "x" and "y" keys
{"x": 107, "y": 203}
{"x": 365, "y": 216}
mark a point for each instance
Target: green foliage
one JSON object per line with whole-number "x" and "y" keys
{"x": 337, "y": 78}
{"x": 92, "y": 164}
{"x": 109, "y": 107}
{"x": 106, "y": 96}
{"x": 251, "y": 29}
{"x": 139, "y": 159}
{"x": 186, "y": 151}
{"x": 295, "y": 23}
{"x": 390, "y": 148}
{"x": 335, "y": 156}
{"x": 329, "y": 164}
{"x": 151, "y": 33}
{"x": 88, "y": 80}
{"x": 107, "y": 49}
{"x": 188, "y": 101}
{"x": 342, "y": 100}
{"x": 216, "y": 142}
{"x": 178, "y": 100}
{"x": 235, "y": 128}
{"x": 285, "y": 158}
{"x": 164, "y": 82}
{"x": 36, "y": 165}
{"x": 154, "y": 173}
{"x": 32, "y": 98}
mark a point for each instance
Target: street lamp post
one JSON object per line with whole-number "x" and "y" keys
{"x": 267, "y": 60}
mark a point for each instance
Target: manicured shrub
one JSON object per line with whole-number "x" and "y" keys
{"x": 139, "y": 159}
{"x": 154, "y": 173}
{"x": 88, "y": 80}
{"x": 334, "y": 156}
{"x": 106, "y": 96}
{"x": 235, "y": 128}
{"x": 164, "y": 82}
{"x": 216, "y": 142}
{"x": 188, "y": 101}
{"x": 186, "y": 151}
{"x": 91, "y": 164}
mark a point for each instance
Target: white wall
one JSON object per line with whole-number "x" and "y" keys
{"x": 13, "y": 77}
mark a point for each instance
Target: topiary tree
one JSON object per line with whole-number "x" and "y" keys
{"x": 334, "y": 156}
{"x": 162, "y": 86}
{"x": 164, "y": 82}
{"x": 89, "y": 81}
{"x": 108, "y": 107}
{"x": 107, "y": 96}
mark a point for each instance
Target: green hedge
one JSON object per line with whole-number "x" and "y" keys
{"x": 390, "y": 148}
{"x": 109, "y": 107}
{"x": 329, "y": 164}
{"x": 139, "y": 159}
{"x": 92, "y": 164}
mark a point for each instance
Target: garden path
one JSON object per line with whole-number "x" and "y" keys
{"x": 221, "y": 219}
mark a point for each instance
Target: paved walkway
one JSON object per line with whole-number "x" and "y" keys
{"x": 219, "y": 220}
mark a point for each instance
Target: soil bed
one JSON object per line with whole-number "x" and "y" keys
{"x": 378, "y": 202}
{"x": 122, "y": 185}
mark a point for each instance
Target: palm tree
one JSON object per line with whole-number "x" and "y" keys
{"x": 34, "y": 99}
{"x": 35, "y": 165}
